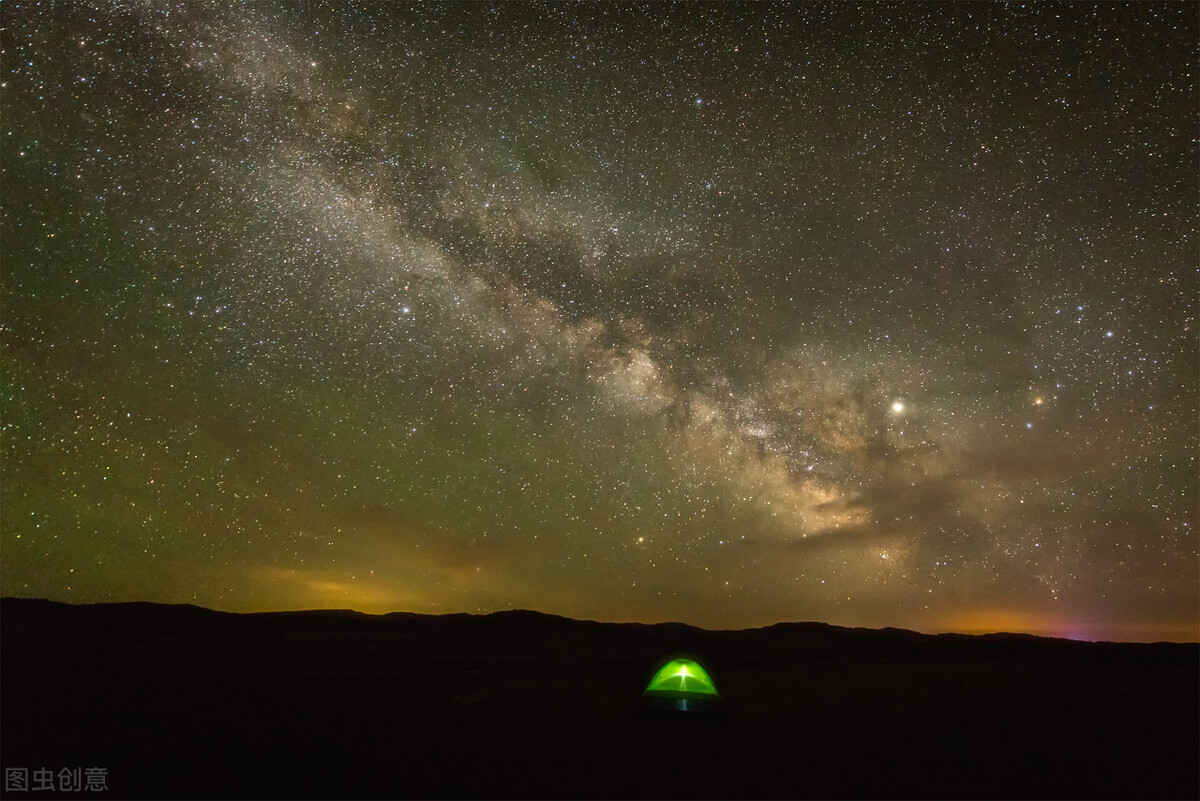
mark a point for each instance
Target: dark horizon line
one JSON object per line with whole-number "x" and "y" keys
{"x": 810, "y": 624}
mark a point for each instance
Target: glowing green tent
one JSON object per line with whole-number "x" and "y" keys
{"x": 681, "y": 681}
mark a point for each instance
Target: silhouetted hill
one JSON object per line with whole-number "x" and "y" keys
{"x": 179, "y": 701}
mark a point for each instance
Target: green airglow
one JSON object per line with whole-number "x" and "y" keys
{"x": 682, "y": 678}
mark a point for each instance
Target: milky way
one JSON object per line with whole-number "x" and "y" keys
{"x": 721, "y": 314}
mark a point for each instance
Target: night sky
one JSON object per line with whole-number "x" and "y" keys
{"x": 878, "y": 315}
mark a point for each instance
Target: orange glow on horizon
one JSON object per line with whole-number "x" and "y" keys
{"x": 1041, "y": 624}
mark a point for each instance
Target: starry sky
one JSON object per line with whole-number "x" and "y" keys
{"x": 878, "y": 315}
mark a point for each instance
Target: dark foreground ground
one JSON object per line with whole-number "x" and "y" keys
{"x": 182, "y": 702}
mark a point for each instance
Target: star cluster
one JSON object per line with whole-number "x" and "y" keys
{"x": 727, "y": 314}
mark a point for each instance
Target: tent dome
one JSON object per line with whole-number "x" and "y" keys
{"x": 682, "y": 678}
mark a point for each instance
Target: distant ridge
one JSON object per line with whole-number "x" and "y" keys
{"x": 527, "y": 631}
